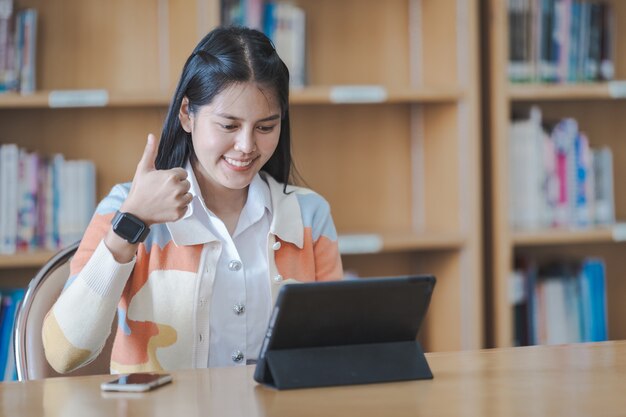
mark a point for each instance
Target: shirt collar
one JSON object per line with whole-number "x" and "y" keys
{"x": 259, "y": 194}
{"x": 283, "y": 208}
{"x": 287, "y": 218}
{"x": 258, "y": 201}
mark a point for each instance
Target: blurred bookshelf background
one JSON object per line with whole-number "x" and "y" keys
{"x": 524, "y": 228}
{"x": 555, "y": 94}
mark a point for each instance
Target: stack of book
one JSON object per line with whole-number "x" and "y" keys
{"x": 560, "y": 302}
{"x": 560, "y": 41}
{"x": 283, "y": 23}
{"x": 18, "y": 40}
{"x": 45, "y": 203}
{"x": 556, "y": 179}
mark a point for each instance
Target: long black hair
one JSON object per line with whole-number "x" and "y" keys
{"x": 225, "y": 56}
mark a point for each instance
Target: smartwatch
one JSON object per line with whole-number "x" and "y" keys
{"x": 129, "y": 227}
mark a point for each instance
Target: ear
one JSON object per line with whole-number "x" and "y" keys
{"x": 184, "y": 116}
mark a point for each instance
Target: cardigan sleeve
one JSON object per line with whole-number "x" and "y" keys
{"x": 79, "y": 323}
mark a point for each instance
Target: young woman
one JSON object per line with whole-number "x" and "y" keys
{"x": 192, "y": 253}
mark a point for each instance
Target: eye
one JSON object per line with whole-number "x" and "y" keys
{"x": 266, "y": 129}
{"x": 228, "y": 127}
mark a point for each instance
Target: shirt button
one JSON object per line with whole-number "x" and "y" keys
{"x": 201, "y": 337}
{"x": 276, "y": 246}
{"x": 234, "y": 265}
{"x": 278, "y": 278}
{"x": 237, "y": 356}
{"x": 239, "y": 309}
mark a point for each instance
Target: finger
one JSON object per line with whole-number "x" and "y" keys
{"x": 149, "y": 155}
{"x": 186, "y": 185}
{"x": 187, "y": 198}
{"x": 182, "y": 188}
{"x": 178, "y": 173}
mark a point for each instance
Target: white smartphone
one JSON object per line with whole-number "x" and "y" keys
{"x": 137, "y": 382}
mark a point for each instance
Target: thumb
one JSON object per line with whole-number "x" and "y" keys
{"x": 149, "y": 155}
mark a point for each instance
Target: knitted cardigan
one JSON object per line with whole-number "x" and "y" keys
{"x": 156, "y": 294}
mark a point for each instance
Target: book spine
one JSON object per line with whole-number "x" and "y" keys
{"x": 607, "y": 65}
{"x": 603, "y": 184}
{"x": 10, "y": 165}
{"x": 27, "y": 70}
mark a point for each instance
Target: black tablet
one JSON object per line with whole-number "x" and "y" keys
{"x": 346, "y": 332}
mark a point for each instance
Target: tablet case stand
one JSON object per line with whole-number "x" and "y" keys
{"x": 346, "y": 364}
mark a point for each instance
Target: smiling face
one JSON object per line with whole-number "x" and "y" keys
{"x": 233, "y": 136}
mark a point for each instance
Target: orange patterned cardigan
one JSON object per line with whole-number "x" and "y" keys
{"x": 156, "y": 295}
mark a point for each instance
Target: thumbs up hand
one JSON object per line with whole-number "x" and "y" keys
{"x": 157, "y": 196}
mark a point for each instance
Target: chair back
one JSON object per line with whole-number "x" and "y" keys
{"x": 41, "y": 294}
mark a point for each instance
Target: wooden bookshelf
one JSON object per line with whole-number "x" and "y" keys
{"x": 599, "y": 109}
{"x": 406, "y": 165}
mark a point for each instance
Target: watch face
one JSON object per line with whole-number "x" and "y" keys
{"x": 128, "y": 228}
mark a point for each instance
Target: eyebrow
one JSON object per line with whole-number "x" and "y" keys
{"x": 231, "y": 117}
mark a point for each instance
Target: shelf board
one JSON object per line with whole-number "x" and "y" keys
{"x": 33, "y": 259}
{"x": 557, "y": 92}
{"x": 41, "y": 100}
{"x": 350, "y": 244}
{"x": 324, "y": 95}
{"x": 569, "y": 236}
{"x": 303, "y": 96}
{"x": 369, "y": 243}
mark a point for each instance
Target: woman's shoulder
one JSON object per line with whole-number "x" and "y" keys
{"x": 309, "y": 199}
{"x": 113, "y": 201}
{"x": 306, "y": 197}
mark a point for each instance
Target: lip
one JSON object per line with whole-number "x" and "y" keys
{"x": 239, "y": 165}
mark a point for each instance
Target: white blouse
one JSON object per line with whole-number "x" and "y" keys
{"x": 240, "y": 303}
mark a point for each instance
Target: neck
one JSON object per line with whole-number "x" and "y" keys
{"x": 225, "y": 203}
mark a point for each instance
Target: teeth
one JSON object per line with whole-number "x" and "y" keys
{"x": 238, "y": 163}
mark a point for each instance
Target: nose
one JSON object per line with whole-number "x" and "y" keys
{"x": 245, "y": 141}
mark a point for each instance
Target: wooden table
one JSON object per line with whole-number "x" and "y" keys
{"x": 570, "y": 380}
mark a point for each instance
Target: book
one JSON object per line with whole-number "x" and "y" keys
{"x": 27, "y": 21}
{"x": 526, "y": 177}
{"x": 10, "y": 301}
{"x": 593, "y": 300}
{"x": 593, "y": 53}
{"x": 9, "y": 164}
{"x": 519, "y": 61}
{"x": 8, "y": 77}
{"x": 27, "y": 203}
{"x": 582, "y": 215}
{"x": 604, "y": 203}
{"x": 10, "y": 368}
{"x": 547, "y": 63}
{"x": 607, "y": 51}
